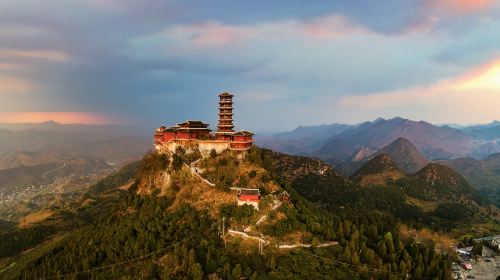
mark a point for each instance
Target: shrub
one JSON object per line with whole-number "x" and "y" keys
{"x": 252, "y": 174}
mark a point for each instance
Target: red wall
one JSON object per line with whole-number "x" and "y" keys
{"x": 247, "y": 197}
{"x": 167, "y": 136}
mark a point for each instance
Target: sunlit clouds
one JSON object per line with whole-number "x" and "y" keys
{"x": 458, "y": 7}
{"x": 472, "y": 97}
{"x": 34, "y": 54}
{"x": 60, "y": 117}
{"x": 12, "y": 85}
{"x": 317, "y": 62}
{"x": 485, "y": 78}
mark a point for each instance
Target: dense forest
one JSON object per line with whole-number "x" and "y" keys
{"x": 143, "y": 237}
{"x": 143, "y": 240}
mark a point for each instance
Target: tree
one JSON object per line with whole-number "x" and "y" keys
{"x": 355, "y": 258}
{"x": 237, "y": 272}
{"x": 213, "y": 154}
{"x": 347, "y": 254}
{"x": 315, "y": 242}
{"x": 477, "y": 249}
{"x": 176, "y": 162}
{"x": 196, "y": 272}
{"x": 252, "y": 174}
{"x": 340, "y": 232}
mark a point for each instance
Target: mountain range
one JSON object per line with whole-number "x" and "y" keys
{"x": 40, "y": 162}
{"x": 338, "y": 143}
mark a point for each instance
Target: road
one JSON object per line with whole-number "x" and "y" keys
{"x": 482, "y": 270}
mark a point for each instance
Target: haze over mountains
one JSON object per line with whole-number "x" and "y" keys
{"x": 472, "y": 151}
{"x": 337, "y": 143}
{"x": 41, "y": 161}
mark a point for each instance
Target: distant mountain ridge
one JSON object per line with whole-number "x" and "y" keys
{"x": 434, "y": 142}
{"x": 111, "y": 143}
{"x": 337, "y": 143}
{"x": 302, "y": 140}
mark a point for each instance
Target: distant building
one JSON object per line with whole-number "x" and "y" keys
{"x": 284, "y": 197}
{"x": 191, "y": 134}
{"x": 250, "y": 197}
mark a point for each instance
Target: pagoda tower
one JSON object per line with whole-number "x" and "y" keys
{"x": 225, "y": 127}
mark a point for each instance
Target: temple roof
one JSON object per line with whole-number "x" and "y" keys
{"x": 243, "y": 133}
{"x": 171, "y": 129}
{"x": 249, "y": 192}
{"x": 193, "y": 124}
{"x": 226, "y": 94}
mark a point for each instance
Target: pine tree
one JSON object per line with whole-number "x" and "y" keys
{"x": 196, "y": 272}
{"x": 347, "y": 254}
{"x": 237, "y": 272}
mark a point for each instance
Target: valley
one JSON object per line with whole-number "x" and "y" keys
{"x": 49, "y": 165}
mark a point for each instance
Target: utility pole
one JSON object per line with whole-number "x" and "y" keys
{"x": 223, "y": 230}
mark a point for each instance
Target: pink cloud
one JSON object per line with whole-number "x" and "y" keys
{"x": 38, "y": 54}
{"x": 60, "y": 117}
{"x": 459, "y": 7}
{"x": 9, "y": 66}
{"x": 330, "y": 26}
{"x": 10, "y": 85}
{"x": 476, "y": 92}
{"x": 208, "y": 34}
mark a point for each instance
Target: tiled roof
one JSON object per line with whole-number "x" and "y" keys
{"x": 193, "y": 124}
{"x": 226, "y": 94}
{"x": 243, "y": 133}
{"x": 249, "y": 192}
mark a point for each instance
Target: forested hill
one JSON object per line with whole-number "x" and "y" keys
{"x": 380, "y": 186}
{"x": 149, "y": 222}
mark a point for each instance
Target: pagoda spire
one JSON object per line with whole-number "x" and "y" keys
{"x": 225, "y": 126}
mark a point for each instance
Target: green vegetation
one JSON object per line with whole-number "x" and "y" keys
{"x": 150, "y": 242}
{"x": 121, "y": 177}
{"x": 15, "y": 241}
{"x": 143, "y": 237}
{"x": 238, "y": 214}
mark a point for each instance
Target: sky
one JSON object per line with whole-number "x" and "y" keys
{"x": 288, "y": 63}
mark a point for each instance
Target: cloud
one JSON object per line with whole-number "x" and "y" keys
{"x": 36, "y": 54}
{"x": 9, "y": 66}
{"x": 60, "y": 117}
{"x": 11, "y": 85}
{"x": 471, "y": 97}
{"x": 150, "y": 59}
{"x": 459, "y": 7}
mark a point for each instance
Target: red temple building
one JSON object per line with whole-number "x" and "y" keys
{"x": 191, "y": 134}
{"x": 250, "y": 197}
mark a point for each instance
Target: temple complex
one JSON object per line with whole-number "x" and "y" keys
{"x": 196, "y": 134}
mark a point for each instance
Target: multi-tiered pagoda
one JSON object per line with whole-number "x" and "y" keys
{"x": 196, "y": 134}
{"x": 225, "y": 128}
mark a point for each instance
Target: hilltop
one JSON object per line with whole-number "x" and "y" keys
{"x": 404, "y": 154}
{"x": 378, "y": 171}
{"x": 169, "y": 209}
{"x": 436, "y": 182}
